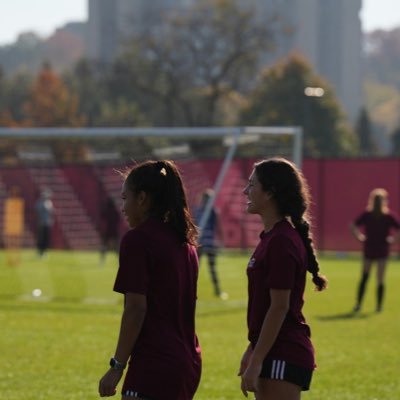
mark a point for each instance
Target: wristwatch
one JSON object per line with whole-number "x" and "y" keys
{"x": 115, "y": 364}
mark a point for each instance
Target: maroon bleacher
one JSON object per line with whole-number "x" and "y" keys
{"x": 78, "y": 229}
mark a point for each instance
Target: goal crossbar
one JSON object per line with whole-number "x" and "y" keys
{"x": 236, "y": 132}
{"x": 233, "y": 137}
{"x": 46, "y": 132}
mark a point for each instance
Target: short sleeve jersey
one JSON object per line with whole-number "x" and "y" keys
{"x": 280, "y": 262}
{"x": 154, "y": 263}
{"x": 376, "y": 229}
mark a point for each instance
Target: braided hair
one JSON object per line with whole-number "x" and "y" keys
{"x": 162, "y": 181}
{"x": 291, "y": 194}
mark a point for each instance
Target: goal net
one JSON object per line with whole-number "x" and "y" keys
{"x": 80, "y": 167}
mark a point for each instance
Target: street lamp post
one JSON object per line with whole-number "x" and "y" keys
{"x": 315, "y": 92}
{"x": 310, "y": 92}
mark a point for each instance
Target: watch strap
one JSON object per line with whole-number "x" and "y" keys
{"x": 115, "y": 364}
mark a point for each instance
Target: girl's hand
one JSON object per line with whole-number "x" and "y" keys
{"x": 108, "y": 383}
{"x": 244, "y": 362}
{"x": 250, "y": 378}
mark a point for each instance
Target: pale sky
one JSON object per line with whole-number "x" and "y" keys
{"x": 40, "y": 16}
{"x": 383, "y": 14}
{"x": 43, "y": 16}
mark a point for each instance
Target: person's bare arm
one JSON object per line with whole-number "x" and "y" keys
{"x": 272, "y": 324}
{"x": 395, "y": 238}
{"x": 131, "y": 325}
{"x": 357, "y": 233}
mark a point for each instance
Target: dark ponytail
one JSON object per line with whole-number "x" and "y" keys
{"x": 161, "y": 180}
{"x": 291, "y": 194}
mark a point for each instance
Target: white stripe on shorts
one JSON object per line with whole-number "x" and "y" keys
{"x": 273, "y": 369}
{"x": 131, "y": 393}
{"x": 278, "y": 369}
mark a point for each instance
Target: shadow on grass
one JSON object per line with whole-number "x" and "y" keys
{"x": 343, "y": 316}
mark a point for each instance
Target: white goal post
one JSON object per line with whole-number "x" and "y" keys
{"x": 176, "y": 143}
{"x": 235, "y": 132}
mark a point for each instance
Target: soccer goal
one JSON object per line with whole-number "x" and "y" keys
{"x": 79, "y": 166}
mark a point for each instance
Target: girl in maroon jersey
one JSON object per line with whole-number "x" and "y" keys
{"x": 377, "y": 223}
{"x": 279, "y": 361}
{"x": 158, "y": 269}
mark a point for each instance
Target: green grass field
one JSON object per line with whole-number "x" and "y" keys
{"x": 57, "y": 346}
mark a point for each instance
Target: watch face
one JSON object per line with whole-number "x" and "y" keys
{"x": 116, "y": 364}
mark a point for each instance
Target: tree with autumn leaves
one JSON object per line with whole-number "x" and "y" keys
{"x": 51, "y": 103}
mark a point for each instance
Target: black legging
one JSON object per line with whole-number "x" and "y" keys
{"x": 43, "y": 242}
{"x": 212, "y": 268}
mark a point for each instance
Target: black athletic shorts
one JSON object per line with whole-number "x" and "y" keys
{"x": 133, "y": 394}
{"x": 284, "y": 371}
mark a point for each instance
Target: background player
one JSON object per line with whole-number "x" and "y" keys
{"x": 45, "y": 220}
{"x": 14, "y": 224}
{"x": 110, "y": 225}
{"x": 377, "y": 222}
{"x": 210, "y": 236}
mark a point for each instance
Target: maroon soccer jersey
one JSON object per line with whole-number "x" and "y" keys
{"x": 280, "y": 262}
{"x": 376, "y": 229}
{"x": 165, "y": 363}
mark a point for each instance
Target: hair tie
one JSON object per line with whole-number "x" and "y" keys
{"x": 160, "y": 165}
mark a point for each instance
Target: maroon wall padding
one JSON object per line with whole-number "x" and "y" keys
{"x": 339, "y": 190}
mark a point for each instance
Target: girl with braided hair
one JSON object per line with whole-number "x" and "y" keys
{"x": 158, "y": 270}
{"x": 279, "y": 361}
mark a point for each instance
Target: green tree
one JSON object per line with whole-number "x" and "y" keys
{"x": 281, "y": 98}
{"x": 14, "y": 92}
{"x": 396, "y": 142}
{"x": 382, "y": 56}
{"x": 87, "y": 81}
{"x": 120, "y": 113}
{"x": 26, "y": 54}
{"x": 186, "y": 66}
{"x": 364, "y": 132}
{"x": 2, "y": 87}
{"x": 382, "y": 83}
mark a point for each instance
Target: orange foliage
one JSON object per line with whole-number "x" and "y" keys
{"x": 51, "y": 104}
{"x": 7, "y": 120}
